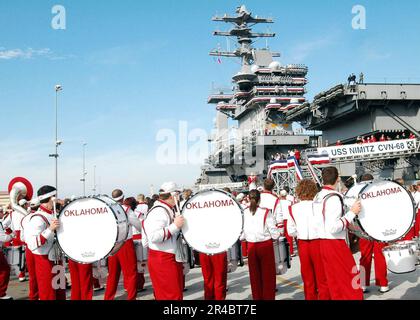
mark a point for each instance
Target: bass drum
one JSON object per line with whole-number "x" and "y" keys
{"x": 92, "y": 229}
{"x": 213, "y": 222}
{"x": 388, "y": 211}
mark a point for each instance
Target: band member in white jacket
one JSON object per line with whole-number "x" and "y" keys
{"x": 260, "y": 230}
{"x": 160, "y": 232}
{"x": 4, "y": 266}
{"x": 342, "y": 274}
{"x": 39, "y": 237}
{"x": 125, "y": 259}
{"x": 302, "y": 225}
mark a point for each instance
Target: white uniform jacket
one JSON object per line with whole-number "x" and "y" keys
{"x": 302, "y": 221}
{"x": 329, "y": 212}
{"x": 260, "y": 227}
{"x": 3, "y": 236}
{"x": 140, "y": 212}
{"x": 271, "y": 201}
{"x": 159, "y": 231}
{"x": 133, "y": 221}
{"x": 38, "y": 237}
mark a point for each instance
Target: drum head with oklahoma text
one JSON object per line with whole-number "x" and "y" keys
{"x": 387, "y": 211}
{"x": 88, "y": 230}
{"x": 213, "y": 222}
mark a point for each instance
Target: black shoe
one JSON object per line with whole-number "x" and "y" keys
{"x": 99, "y": 289}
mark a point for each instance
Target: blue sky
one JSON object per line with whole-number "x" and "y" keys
{"x": 130, "y": 68}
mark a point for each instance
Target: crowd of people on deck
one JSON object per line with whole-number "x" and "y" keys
{"x": 382, "y": 137}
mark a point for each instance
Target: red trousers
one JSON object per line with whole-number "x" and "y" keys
{"x": 340, "y": 268}
{"x": 126, "y": 261}
{"x": 45, "y": 279}
{"x": 244, "y": 245}
{"x": 312, "y": 270}
{"x": 166, "y": 275}
{"x": 262, "y": 270}
{"x": 417, "y": 225}
{"x": 4, "y": 274}
{"x": 30, "y": 265}
{"x": 368, "y": 249}
{"x": 214, "y": 269}
{"x": 414, "y": 231}
{"x": 288, "y": 238}
{"x": 81, "y": 276}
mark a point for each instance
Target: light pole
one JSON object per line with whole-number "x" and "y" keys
{"x": 57, "y": 143}
{"x": 84, "y": 169}
{"x": 94, "y": 180}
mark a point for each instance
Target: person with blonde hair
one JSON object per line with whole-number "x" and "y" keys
{"x": 302, "y": 226}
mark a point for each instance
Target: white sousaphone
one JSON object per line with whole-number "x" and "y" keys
{"x": 19, "y": 188}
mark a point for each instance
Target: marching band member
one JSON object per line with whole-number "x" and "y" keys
{"x": 302, "y": 225}
{"x": 339, "y": 264}
{"x": 214, "y": 269}
{"x": 13, "y": 222}
{"x": 368, "y": 249}
{"x": 259, "y": 231}
{"x": 125, "y": 260}
{"x": 4, "y": 265}
{"x": 81, "y": 276}
{"x": 160, "y": 232}
{"x": 270, "y": 201}
{"x": 141, "y": 212}
{"x": 39, "y": 237}
{"x": 30, "y": 260}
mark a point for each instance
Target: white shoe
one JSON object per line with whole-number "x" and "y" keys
{"x": 22, "y": 279}
{"x": 365, "y": 289}
{"x": 6, "y": 298}
{"x": 384, "y": 289}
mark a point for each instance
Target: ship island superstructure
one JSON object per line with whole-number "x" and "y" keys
{"x": 263, "y": 92}
{"x": 268, "y": 103}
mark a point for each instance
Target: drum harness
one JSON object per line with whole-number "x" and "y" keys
{"x": 180, "y": 254}
{"x": 55, "y": 253}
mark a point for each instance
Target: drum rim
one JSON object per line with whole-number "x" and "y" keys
{"x": 412, "y": 222}
{"x": 234, "y": 199}
{"x": 116, "y": 218}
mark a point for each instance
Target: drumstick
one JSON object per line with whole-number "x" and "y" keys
{"x": 177, "y": 211}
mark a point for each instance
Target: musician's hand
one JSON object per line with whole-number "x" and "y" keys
{"x": 179, "y": 222}
{"x": 55, "y": 224}
{"x": 357, "y": 207}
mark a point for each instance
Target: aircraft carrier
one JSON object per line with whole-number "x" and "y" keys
{"x": 265, "y": 117}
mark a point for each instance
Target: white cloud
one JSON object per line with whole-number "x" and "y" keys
{"x": 300, "y": 52}
{"x": 30, "y": 53}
